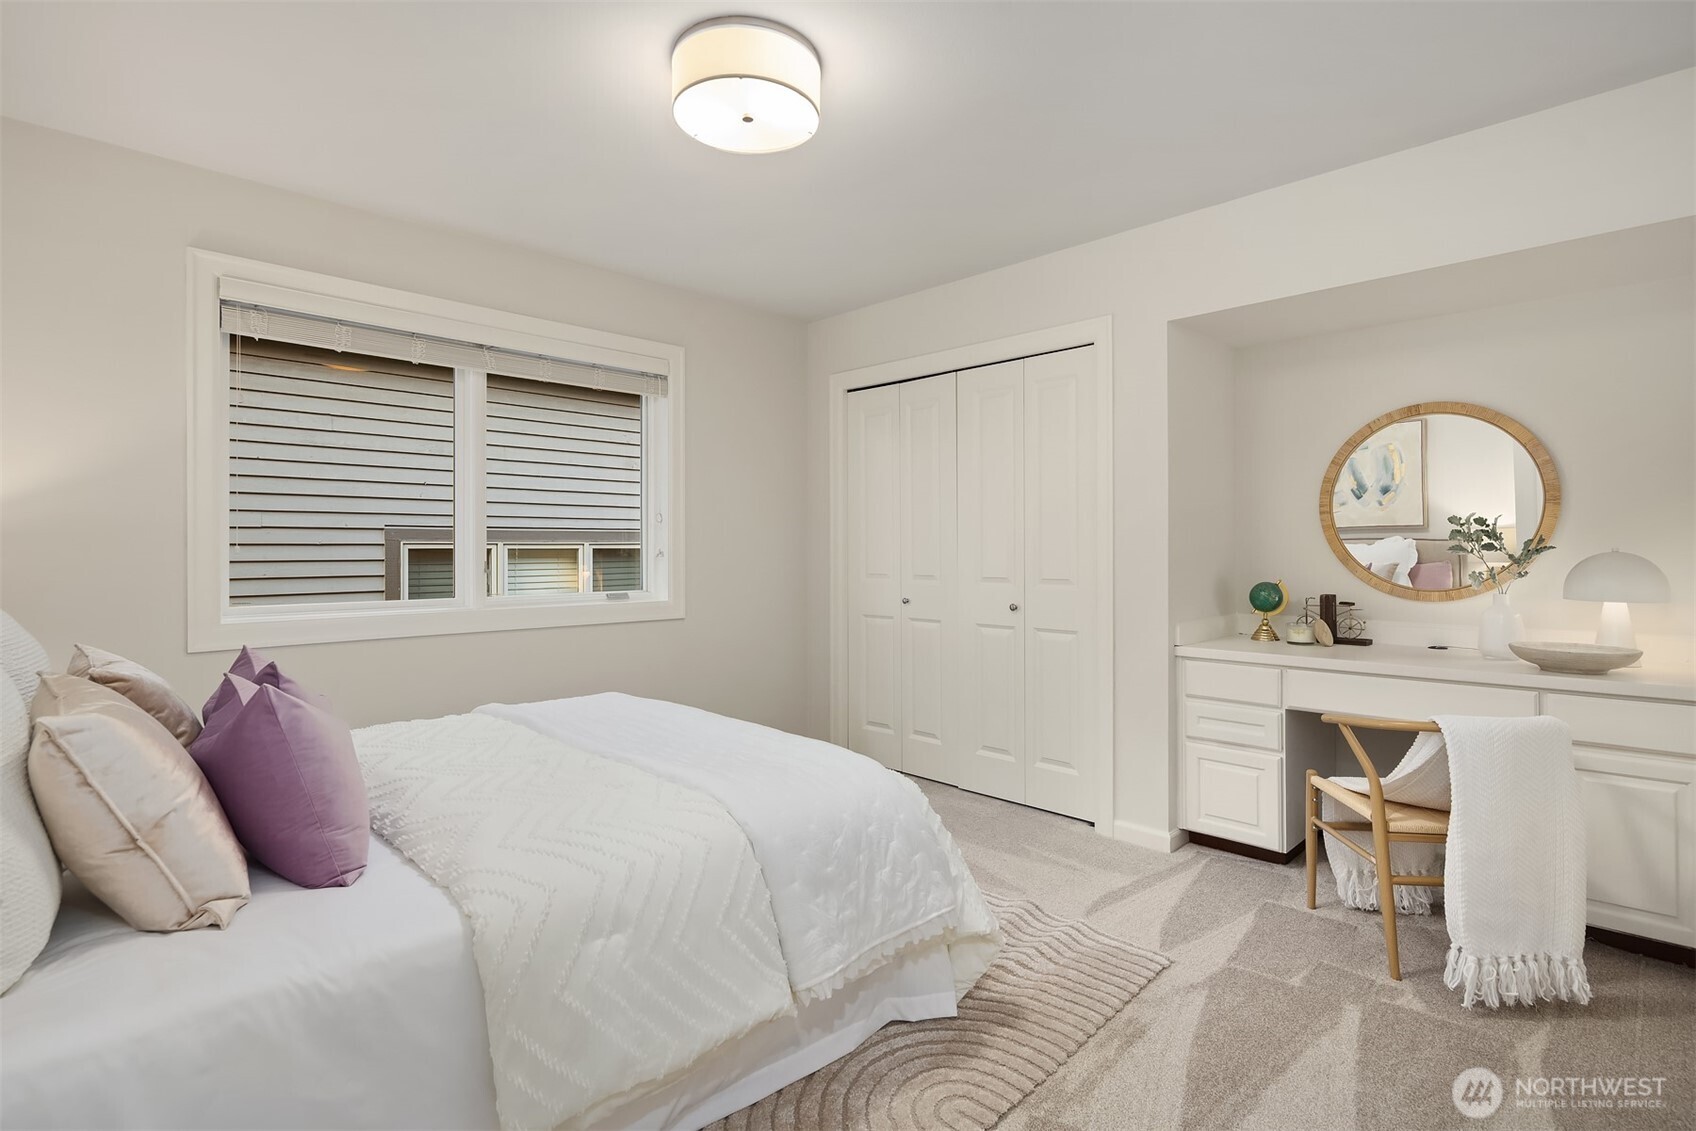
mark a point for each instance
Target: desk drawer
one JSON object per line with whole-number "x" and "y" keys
{"x": 1669, "y": 727}
{"x": 1239, "y": 723}
{"x": 1387, "y": 698}
{"x": 1245, "y": 683}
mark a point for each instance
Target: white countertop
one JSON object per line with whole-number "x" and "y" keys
{"x": 1456, "y": 665}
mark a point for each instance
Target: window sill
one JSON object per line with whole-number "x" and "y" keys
{"x": 262, "y": 629}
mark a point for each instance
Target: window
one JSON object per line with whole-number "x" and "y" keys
{"x": 541, "y": 569}
{"x": 427, "y": 571}
{"x": 615, "y": 569}
{"x": 368, "y": 463}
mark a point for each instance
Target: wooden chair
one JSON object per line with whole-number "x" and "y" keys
{"x": 1388, "y": 822}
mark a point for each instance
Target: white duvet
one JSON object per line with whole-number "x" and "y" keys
{"x": 858, "y": 864}
{"x": 646, "y": 882}
{"x": 620, "y": 924}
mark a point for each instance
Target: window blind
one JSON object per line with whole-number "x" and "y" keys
{"x": 541, "y": 569}
{"x": 250, "y": 321}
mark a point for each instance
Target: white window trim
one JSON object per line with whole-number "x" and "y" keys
{"x": 215, "y": 625}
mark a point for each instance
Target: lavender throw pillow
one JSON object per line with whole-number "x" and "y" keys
{"x": 285, "y": 771}
{"x": 255, "y": 668}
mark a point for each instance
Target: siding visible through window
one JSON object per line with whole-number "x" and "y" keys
{"x": 332, "y": 452}
{"x": 562, "y": 456}
{"x": 326, "y": 451}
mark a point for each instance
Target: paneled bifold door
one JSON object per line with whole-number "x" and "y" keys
{"x": 901, "y": 533}
{"x": 972, "y": 542}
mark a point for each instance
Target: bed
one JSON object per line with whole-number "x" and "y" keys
{"x": 352, "y": 1008}
{"x": 845, "y": 907}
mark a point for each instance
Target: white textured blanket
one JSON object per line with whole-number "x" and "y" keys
{"x": 858, "y": 863}
{"x": 1420, "y": 778}
{"x": 619, "y": 921}
{"x": 1514, "y": 879}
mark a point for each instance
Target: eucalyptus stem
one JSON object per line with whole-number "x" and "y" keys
{"x": 1476, "y": 536}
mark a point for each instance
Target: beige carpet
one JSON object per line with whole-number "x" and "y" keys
{"x": 1273, "y": 1016}
{"x": 1052, "y": 987}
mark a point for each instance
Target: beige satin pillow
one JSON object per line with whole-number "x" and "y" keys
{"x": 129, "y": 812}
{"x": 141, "y": 686}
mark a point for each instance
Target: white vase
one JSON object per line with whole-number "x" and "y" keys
{"x": 1499, "y": 627}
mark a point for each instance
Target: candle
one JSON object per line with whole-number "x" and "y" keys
{"x": 1298, "y": 633}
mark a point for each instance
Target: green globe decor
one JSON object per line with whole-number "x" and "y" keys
{"x": 1267, "y": 598}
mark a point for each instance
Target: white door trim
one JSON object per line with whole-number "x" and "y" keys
{"x": 1095, "y": 331}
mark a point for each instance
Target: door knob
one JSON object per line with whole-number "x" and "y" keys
{"x": 906, "y": 600}
{"x": 1013, "y": 608}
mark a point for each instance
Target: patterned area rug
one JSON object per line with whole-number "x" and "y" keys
{"x": 1055, "y": 983}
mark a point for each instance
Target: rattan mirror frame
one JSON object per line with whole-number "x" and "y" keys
{"x": 1539, "y": 455}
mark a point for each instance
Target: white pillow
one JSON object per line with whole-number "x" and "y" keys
{"x": 22, "y": 656}
{"x": 1391, "y": 558}
{"x": 29, "y": 872}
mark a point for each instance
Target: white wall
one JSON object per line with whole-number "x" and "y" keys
{"x": 93, "y": 395}
{"x": 1205, "y": 479}
{"x": 1619, "y": 160}
{"x": 1606, "y": 379}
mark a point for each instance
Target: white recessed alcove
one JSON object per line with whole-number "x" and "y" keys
{"x": 1589, "y": 343}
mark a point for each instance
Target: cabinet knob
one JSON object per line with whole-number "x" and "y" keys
{"x": 1013, "y": 608}
{"x": 906, "y": 600}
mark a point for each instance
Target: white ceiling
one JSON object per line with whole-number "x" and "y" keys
{"x": 956, "y": 137}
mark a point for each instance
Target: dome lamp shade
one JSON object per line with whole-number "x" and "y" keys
{"x": 745, "y": 85}
{"x": 1618, "y": 580}
{"x": 1618, "y": 576}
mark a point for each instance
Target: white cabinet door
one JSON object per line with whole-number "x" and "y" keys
{"x": 874, "y": 573}
{"x": 929, "y": 562}
{"x": 1236, "y": 794}
{"x": 1640, "y": 833}
{"x": 1057, "y": 614}
{"x": 989, "y": 635}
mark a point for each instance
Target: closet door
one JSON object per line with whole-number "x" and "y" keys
{"x": 874, "y": 574}
{"x": 1061, "y": 468}
{"x": 989, "y": 651}
{"x": 925, "y": 481}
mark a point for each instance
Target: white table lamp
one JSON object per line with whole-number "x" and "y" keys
{"x": 1617, "y": 579}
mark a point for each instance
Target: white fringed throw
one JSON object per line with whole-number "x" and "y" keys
{"x": 1514, "y": 881}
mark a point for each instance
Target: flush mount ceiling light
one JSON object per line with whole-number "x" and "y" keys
{"x": 745, "y": 85}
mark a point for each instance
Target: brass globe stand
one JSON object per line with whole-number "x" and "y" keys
{"x": 1256, "y": 598}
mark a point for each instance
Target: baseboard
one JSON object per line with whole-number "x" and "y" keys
{"x": 1269, "y": 855}
{"x": 1637, "y": 944}
{"x": 1145, "y": 836}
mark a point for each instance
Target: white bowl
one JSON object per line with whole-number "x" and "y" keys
{"x": 1575, "y": 659}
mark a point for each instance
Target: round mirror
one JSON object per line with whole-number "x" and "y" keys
{"x": 1388, "y": 496}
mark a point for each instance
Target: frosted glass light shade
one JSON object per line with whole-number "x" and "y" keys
{"x": 745, "y": 85}
{"x": 1619, "y": 577}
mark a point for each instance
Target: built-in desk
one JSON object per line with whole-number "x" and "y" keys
{"x": 1249, "y": 724}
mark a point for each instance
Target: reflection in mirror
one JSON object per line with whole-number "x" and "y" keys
{"x": 1395, "y": 491}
